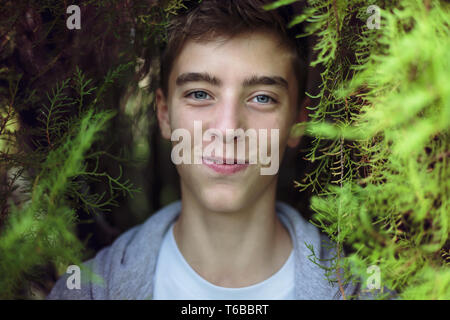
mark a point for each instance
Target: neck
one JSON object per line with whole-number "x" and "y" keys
{"x": 232, "y": 249}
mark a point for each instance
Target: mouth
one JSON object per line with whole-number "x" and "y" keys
{"x": 225, "y": 166}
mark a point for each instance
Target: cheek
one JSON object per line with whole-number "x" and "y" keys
{"x": 282, "y": 123}
{"x": 182, "y": 116}
{"x": 178, "y": 118}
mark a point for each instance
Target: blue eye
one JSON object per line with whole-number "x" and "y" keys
{"x": 264, "y": 99}
{"x": 199, "y": 95}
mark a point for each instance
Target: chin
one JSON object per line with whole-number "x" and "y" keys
{"x": 223, "y": 194}
{"x": 223, "y": 198}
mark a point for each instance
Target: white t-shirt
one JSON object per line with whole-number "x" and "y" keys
{"x": 176, "y": 280}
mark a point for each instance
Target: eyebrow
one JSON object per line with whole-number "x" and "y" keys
{"x": 197, "y": 77}
{"x": 249, "y": 82}
{"x": 266, "y": 80}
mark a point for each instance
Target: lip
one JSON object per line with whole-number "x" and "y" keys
{"x": 224, "y": 168}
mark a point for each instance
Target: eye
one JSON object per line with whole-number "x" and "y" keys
{"x": 199, "y": 95}
{"x": 263, "y": 99}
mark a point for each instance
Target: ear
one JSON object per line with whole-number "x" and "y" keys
{"x": 162, "y": 113}
{"x": 297, "y": 130}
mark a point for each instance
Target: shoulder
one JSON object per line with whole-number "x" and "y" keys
{"x": 306, "y": 236}
{"x": 95, "y": 273}
{"x": 116, "y": 272}
{"x": 315, "y": 257}
{"x": 316, "y": 270}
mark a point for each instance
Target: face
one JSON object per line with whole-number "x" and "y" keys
{"x": 246, "y": 82}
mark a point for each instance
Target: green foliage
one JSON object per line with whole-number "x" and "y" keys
{"x": 381, "y": 141}
{"x": 41, "y": 230}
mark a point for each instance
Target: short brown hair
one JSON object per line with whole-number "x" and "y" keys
{"x": 209, "y": 19}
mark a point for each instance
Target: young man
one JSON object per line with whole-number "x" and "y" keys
{"x": 228, "y": 65}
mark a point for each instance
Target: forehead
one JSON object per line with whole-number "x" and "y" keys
{"x": 246, "y": 54}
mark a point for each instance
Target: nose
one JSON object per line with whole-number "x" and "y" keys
{"x": 227, "y": 117}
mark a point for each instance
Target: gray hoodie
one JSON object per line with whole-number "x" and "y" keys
{"x": 128, "y": 265}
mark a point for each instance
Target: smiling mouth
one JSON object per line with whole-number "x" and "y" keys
{"x": 224, "y": 161}
{"x": 221, "y": 166}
